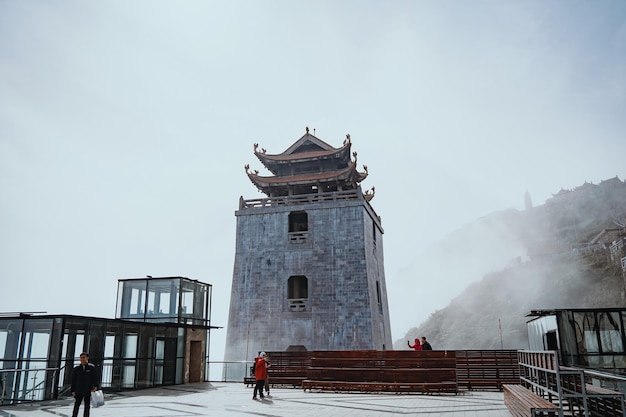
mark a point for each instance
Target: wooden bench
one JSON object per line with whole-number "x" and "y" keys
{"x": 288, "y": 368}
{"x": 486, "y": 369}
{"x": 522, "y": 402}
{"x": 382, "y": 371}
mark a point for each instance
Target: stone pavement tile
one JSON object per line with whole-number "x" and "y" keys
{"x": 235, "y": 400}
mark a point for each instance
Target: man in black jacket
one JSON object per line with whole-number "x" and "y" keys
{"x": 84, "y": 382}
{"x": 425, "y": 344}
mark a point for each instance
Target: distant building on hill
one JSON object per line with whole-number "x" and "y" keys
{"x": 589, "y": 189}
{"x": 308, "y": 271}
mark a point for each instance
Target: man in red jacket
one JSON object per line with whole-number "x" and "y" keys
{"x": 260, "y": 374}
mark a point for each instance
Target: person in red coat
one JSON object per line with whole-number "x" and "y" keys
{"x": 260, "y": 374}
{"x": 417, "y": 346}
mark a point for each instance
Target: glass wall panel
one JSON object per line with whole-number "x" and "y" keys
{"x": 106, "y": 375}
{"x": 159, "y": 361}
{"x": 96, "y": 341}
{"x": 109, "y": 345}
{"x": 165, "y": 303}
{"x": 120, "y": 302}
{"x": 132, "y": 300}
{"x": 187, "y": 299}
{"x": 116, "y": 330}
{"x": 179, "y": 371}
{"x": 586, "y": 335}
{"x": 11, "y": 334}
{"x": 169, "y": 362}
{"x": 130, "y": 345}
{"x": 36, "y": 345}
{"x": 79, "y": 346}
{"x": 128, "y": 380}
{"x": 146, "y": 342}
{"x": 137, "y": 301}
{"x": 610, "y": 328}
{"x": 175, "y": 298}
{"x": 160, "y": 295}
{"x": 537, "y": 331}
{"x": 145, "y": 373}
{"x": 130, "y": 352}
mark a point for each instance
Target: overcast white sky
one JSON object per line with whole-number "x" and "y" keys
{"x": 125, "y": 126}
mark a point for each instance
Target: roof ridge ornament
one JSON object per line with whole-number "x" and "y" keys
{"x": 247, "y": 168}
{"x": 307, "y": 130}
{"x": 347, "y": 140}
{"x": 369, "y": 194}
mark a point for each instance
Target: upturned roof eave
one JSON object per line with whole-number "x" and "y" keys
{"x": 272, "y": 161}
{"x": 349, "y": 173}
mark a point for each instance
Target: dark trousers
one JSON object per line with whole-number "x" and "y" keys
{"x": 258, "y": 387}
{"x": 79, "y": 398}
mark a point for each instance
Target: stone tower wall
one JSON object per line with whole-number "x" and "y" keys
{"x": 346, "y": 308}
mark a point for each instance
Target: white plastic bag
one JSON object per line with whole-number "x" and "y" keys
{"x": 97, "y": 398}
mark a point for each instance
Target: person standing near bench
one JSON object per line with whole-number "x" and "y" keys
{"x": 416, "y": 346}
{"x": 260, "y": 374}
{"x": 425, "y": 344}
{"x": 267, "y": 380}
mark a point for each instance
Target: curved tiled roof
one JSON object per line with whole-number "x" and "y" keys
{"x": 296, "y": 156}
{"x": 309, "y": 165}
{"x": 342, "y": 152}
{"x": 348, "y": 176}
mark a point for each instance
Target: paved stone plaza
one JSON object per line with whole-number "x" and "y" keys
{"x": 233, "y": 400}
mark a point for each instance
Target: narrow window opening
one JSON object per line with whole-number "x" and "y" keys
{"x": 297, "y": 293}
{"x": 298, "y": 226}
{"x": 298, "y": 221}
{"x": 374, "y": 231}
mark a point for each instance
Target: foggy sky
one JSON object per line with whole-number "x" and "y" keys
{"x": 125, "y": 127}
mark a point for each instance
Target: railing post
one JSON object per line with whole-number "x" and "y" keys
{"x": 558, "y": 382}
{"x": 4, "y": 382}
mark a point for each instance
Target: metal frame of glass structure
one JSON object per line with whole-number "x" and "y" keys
{"x": 587, "y": 338}
{"x": 137, "y": 349}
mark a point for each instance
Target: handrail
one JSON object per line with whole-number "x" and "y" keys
{"x": 541, "y": 372}
{"x": 21, "y": 393}
{"x": 28, "y": 370}
{"x": 604, "y": 377}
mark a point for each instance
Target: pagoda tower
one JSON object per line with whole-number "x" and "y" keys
{"x": 308, "y": 270}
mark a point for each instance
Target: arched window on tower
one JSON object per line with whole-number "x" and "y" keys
{"x": 298, "y": 292}
{"x": 298, "y": 226}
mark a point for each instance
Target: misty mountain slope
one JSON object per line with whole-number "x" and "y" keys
{"x": 442, "y": 272}
{"x": 472, "y": 320}
{"x": 558, "y": 274}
